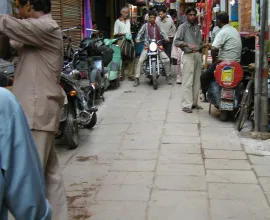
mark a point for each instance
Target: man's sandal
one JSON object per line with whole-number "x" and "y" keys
{"x": 187, "y": 110}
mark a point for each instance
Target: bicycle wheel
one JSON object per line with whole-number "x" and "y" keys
{"x": 245, "y": 106}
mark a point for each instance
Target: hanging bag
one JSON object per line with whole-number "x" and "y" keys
{"x": 128, "y": 49}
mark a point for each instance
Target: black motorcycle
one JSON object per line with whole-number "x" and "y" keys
{"x": 77, "y": 111}
{"x": 92, "y": 63}
{"x": 153, "y": 66}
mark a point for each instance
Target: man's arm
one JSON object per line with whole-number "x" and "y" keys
{"x": 163, "y": 34}
{"x": 25, "y": 195}
{"x": 141, "y": 33}
{"x": 217, "y": 44}
{"x": 179, "y": 39}
{"x": 173, "y": 28}
{"x": 24, "y": 31}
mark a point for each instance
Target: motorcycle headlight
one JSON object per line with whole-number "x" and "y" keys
{"x": 153, "y": 47}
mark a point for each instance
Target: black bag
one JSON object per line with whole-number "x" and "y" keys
{"x": 107, "y": 54}
{"x": 127, "y": 50}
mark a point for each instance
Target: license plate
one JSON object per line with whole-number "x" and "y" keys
{"x": 226, "y": 106}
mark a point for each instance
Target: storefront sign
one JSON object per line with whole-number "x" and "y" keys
{"x": 234, "y": 12}
{"x": 235, "y": 24}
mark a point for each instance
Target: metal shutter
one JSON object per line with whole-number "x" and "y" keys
{"x": 71, "y": 14}
{"x": 56, "y": 11}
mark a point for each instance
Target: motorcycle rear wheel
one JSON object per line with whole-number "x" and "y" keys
{"x": 224, "y": 116}
{"x": 154, "y": 75}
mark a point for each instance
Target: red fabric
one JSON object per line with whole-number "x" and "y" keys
{"x": 151, "y": 34}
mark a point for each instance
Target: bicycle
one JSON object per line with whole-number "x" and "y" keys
{"x": 247, "y": 102}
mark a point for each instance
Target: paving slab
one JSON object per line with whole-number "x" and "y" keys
{"x": 115, "y": 210}
{"x": 146, "y": 128}
{"x": 172, "y": 139}
{"x": 180, "y": 170}
{"x": 133, "y": 165}
{"x": 225, "y": 164}
{"x": 181, "y": 148}
{"x": 222, "y": 144}
{"x": 79, "y": 177}
{"x": 231, "y": 176}
{"x": 151, "y": 115}
{"x": 110, "y": 129}
{"x": 170, "y": 157}
{"x": 181, "y": 183}
{"x": 129, "y": 178}
{"x": 170, "y": 205}
{"x": 102, "y": 139}
{"x": 123, "y": 193}
{"x": 218, "y": 132}
{"x": 259, "y": 160}
{"x": 265, "y": 183}
{"x": 190, "y": 130}
{"x": 242, "y": 192}
{"x": 236, "y": 210}
{"x": 137, "y": 155}
{"x": 222, "y": 154}
{"x": 97, "y": 148}
{"x": 176, "y": 117}
{"x": 140, "y": 144}
{"x": 262, "y": 170}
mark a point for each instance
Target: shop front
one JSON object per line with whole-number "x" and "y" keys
{"x": 68, "y": 13}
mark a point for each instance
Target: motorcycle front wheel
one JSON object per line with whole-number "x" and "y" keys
{"x": 71, "y": 131}
{"x": 93, "y": 121}
{"x": 154, "y": 75}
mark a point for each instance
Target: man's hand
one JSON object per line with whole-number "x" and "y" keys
{"x": 138, "y": 41}
{"x": 167, "y": 39}
{"x": 207, "y": 45}
{"x": 192, "y": 47}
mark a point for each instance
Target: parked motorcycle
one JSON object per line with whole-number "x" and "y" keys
{"x": 226, "y": 91}
{"x": 6, "y": 74}
{"x": 152, "y": 66}
{"x": 99, "y": 56}
{"x": 77, "y": 111}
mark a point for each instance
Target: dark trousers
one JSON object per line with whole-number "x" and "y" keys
{"x": 168, "y": 47}
{"x": 207, "y": 77}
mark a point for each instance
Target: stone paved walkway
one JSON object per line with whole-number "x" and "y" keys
{"x": 147, "y": 160}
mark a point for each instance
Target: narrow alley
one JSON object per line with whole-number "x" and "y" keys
{"x": 148, "y": 160}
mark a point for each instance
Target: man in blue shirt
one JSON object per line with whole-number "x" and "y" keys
{"x": 22, "y": 185}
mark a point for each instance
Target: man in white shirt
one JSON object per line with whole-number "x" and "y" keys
{"x": 226, "y": 46}
{"x": 121, "y": 28}
{"x": 166, "y": 24}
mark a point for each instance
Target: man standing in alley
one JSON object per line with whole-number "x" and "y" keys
{"x": 166, "y": 24}
{"x": 121, "y": 28}
{"x": 189, "y": 39}
{"x": 37, "y": 87}
{"x": 149, "y": 31}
